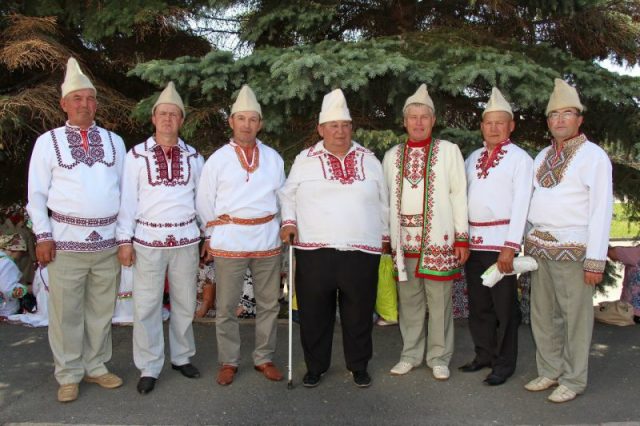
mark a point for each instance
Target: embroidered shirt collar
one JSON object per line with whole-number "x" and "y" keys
{"x": 498, "y": 146}
{"x": 77, "y": 128}
{"x": 151, "y": 144}
{"x": 569, "y": 143}
{"x": 319, "y": 149}
{"x": 419, "y": 144}
{"x": 233, "y": 143}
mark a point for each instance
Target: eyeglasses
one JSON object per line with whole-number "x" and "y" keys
{"x": 564, "y": 115}
{"x": 164, "y": 114}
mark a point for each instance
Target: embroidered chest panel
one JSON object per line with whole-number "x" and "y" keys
{"x": 348, "y": 171}
{"x": 161, "y": 171}
{"x": 415, "y": 163}
{"x": 92, "y": 153}
{"x": 487, "y": 160}
{"x": 556, "y": 163}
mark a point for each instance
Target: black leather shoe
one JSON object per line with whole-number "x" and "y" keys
{"x": 311, "y": 380}
{"x": 472, "y": 367}
{"x": 146, "y": 384}
{"x": 187, "y": 370}
{"x": 494, "y": 380}
{"x": 361, "y": 378}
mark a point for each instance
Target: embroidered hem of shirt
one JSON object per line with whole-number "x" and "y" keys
{"x": 593, "y": 265}
{"x": 481, "y": 247}
{"x": 82, "y": 221}
{"x": 166, "y": 224}
{"x": 568, "y": 251}
{"x": 491, "y": 223}
{"x": 245, "y": 254}
{"x": 510, "y": 244}
{"x": 87, "y": 246}
{"x": 170, "y": 242}
{"x": 361, "y": 247}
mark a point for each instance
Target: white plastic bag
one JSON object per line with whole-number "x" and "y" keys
{"x": 520, "y": 264}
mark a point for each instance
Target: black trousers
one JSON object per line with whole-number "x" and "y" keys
{"x": 322, "y": 277}
{"x": 494, "y": 315}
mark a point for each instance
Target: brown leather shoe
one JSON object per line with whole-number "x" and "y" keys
{"x": 270, "y": 371}
{"x": 225, "y": 374}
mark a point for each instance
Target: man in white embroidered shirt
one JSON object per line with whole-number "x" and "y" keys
{"x": 570, "y": 214}
{"x": 237, "y": 202}
{"x": 499, "y": 184}
{"x": 157, "y": 233}
{"x": 75, "y": 173}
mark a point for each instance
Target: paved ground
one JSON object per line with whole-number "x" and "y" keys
{"x": 28, "y": 389}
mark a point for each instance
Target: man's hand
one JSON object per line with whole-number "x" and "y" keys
{"x": 505, "y": 260}
{"x": 45, "y": 252}
{"x": 126, "y": 255}
{"x": 592, "y": 278}
{"x": 386, "y": 247}
{"x": 287, "y": 231}
{"x": 462, "y": 254}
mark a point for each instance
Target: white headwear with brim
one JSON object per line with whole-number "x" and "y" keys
{"x": 334, "y": 107}
{"x": 563, "y": 96}
{"x": 74, "y": 79}
{"x": 497, "y": 102}
{"x": 170, "y": 96}
{"x": 246, "y": 101}
{"x": 420, "y": 97}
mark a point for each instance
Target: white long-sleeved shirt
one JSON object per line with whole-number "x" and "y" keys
{"x": 337, "y": 203}
{"x": 499, "y": 187}
{"x": 572, "y": 204}
{"x": 158, "y": 196}
{"x": 228, "y": 187}
{"x": 80, "y": 187}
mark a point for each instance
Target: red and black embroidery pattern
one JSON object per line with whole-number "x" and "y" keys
{"x": 170, "y": 241}
{"x": 414, "y": 165}
{"x": 353, "y": 170}
{"x": 166, "y": 224}
{"x": 488, "y": 161}
{"x": 94, "y": 154}
{"x": 81, "y": 221}
{"x": 555, "y": 163}
{"x": 87, "y": 246}
{"x": 158, "y": 173}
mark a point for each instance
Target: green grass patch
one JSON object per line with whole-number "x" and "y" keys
{"x": 620, "y": 225}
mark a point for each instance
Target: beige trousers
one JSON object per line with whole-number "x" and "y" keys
{"x": 414, "y": 296}
{"x": 562, "y": 322}
{"x": 82, "y": 296}
{"x": 266, "y": 289}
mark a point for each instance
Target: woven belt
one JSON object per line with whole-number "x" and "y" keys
{"x": 225, "y": 219}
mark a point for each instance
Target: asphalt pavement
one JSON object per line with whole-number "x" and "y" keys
{"x": 28, "y": 388}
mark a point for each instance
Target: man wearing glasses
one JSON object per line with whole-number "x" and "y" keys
{"x": 570, "y": 214}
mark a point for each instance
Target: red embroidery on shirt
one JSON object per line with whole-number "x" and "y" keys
{"x": 488, "y": 161}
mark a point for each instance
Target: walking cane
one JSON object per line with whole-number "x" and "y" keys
{"x": 290, "y": 284}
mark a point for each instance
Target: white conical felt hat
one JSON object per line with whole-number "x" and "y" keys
{"x": 563, "y": 96}
{"x": 246, "y": 101}
{"x": 170, "y": 96}
{"x": 74, "y": 79}
{"x": 420, "y": 97}
{"x": 497, "y": 102}
{"x": 334, "y": 107}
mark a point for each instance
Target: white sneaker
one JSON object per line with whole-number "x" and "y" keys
{"x": 401, "y": 368}
{"x": 441, "y": 372}
{"x": 539, "y": 384}
{"x": 562, "y": 394}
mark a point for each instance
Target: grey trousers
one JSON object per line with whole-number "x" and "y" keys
{"x": 181, "y": 267}
{"x": 266, "y": 288}
{"x": 414, "y": 296}
{"x": 82, "y": 297}
{"x": 562, "y": 322}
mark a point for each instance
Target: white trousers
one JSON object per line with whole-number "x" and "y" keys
{"x": 150, "y": 268}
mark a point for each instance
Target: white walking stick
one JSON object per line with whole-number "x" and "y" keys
{"x": 290, "y": 316}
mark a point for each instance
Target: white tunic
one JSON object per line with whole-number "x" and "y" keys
{"x": 337, "y": 203}
{"x": 499, "y": 189}
{"x": 82, "y": 188}
{"x": 158, "y": 196}
{"x": 572, "y": 204}
{"x": 229, "y": 187}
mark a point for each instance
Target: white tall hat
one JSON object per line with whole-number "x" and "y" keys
{"x": 334, "y": 107}
{"x": 563, "y": 96}
{"x": 420, "y": 97}
{"x": 246, "y": 101}
{"x": 497, "y": 102}
{"x": 170, "y": 96}
{"x": 74, "y": 79}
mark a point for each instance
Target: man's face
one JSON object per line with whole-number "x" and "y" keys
{"x": 564, "y": 123}
{"x": 245, "y": 126}
{"x": 496, "y": 127}
{"x": 336, "y": 135}
{"x": 419, "y": 121}
{"x": 167, "y": 119}
{"x": 80, "y": 106}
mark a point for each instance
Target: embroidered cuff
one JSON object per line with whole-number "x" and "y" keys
{"x": 124, "y": 242}
{"x": 592, "y": 265}
{"x": 512, "y": 245}
{"x": 386, "y": 239}
{"x": 289, "y": 223}
{"x": 461, "y": 244}
{"x": 45, "y": 236}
